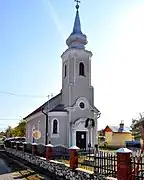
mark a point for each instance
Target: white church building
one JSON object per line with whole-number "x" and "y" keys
{"x": 69, "y": 118}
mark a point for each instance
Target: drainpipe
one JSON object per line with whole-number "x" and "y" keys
{"x": 46, "y": 118}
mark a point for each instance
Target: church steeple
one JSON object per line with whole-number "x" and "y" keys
{"x": 77, "y": 39}
{"x": 76, "y": 67}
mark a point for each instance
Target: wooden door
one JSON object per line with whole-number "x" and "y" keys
{"x": 81, "y": 139}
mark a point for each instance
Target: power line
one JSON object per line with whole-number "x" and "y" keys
{"x": 22, "y": 95}
{"x": 8, "y": 119}
{"x": 4, "y": 125}
{"x": 3, "y": 118}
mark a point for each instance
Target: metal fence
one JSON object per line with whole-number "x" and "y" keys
{"x": 101, "y": 162}
{"x": 137, "y": 165}
{"x": 61, "y": 153}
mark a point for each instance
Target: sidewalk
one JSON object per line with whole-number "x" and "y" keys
{"x": 7, "y": 176}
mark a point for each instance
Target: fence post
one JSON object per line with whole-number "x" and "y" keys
{"x": 34, "y": 148}
{"x": 24, "y": 146}
{"x": 11, "y": 146}
{"x": 124, "y": 167}
{"x": 73, "y": 157}
{"x": 17, "y": 145}
{"x": 49, "y": 152}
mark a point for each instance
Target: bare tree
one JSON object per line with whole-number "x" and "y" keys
{"x": 136, "y": 126}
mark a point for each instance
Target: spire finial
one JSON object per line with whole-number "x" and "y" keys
{"x": 77, "y": 6}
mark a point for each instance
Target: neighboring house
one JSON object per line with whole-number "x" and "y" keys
{"x": 70, "y": 110}
{"x": 116, "y": 136}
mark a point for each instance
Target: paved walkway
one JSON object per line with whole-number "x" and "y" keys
{"x": 6, "y": 177}
{"x": 12, "y": 169}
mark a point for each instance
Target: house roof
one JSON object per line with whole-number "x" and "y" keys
{"x": 117, "y": 129}
{"x": 57, "y": 107}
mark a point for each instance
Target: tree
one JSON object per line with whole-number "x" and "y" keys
{"x": 136, "y": 126}
{"x": 20, "y": 130}
{"x": 8, "y": 132}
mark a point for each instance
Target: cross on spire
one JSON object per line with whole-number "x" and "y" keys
{"x": 77, "y": 6}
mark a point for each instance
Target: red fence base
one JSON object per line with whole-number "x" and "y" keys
{"x": 124, "y": 167}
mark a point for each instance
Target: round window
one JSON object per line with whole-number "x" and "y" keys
{"x": 82, "y": 105}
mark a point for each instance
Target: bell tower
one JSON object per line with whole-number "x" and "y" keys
{"x": 76, "y": 67}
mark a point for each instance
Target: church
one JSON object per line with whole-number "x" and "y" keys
{"x": 70, "y": 117}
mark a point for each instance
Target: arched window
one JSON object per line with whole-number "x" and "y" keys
{"x": 65, "y": 70}
{"x": 55, "y": 127}
{"x": 81, "y": 69}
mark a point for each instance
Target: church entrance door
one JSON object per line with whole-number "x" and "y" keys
{"x": 81, "y": 139}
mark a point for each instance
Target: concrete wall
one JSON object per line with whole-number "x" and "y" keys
{"x": 117, "y": 139}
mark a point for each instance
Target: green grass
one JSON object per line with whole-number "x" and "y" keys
{"x": 107, "y": 150}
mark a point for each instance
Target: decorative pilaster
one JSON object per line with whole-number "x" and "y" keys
{"x": 95, "y": 129}
{"x": 73, "y": 137}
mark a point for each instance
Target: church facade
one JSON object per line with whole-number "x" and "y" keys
{"x": 69, "y": 118}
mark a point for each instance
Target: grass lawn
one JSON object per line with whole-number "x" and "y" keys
{"x": 107, "y": 150}
{"x": 81, "y": 159}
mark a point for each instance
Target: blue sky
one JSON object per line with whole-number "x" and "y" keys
{"x": 32, "y": 39}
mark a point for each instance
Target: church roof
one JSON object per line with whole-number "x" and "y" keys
{"x": 53, "y": 106}
{"x": 59, "y": 107}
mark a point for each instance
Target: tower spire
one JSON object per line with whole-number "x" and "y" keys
{"x": 77, "y": 24}
{"x": 77, "y": 39}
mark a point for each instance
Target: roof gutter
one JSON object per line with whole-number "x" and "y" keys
{"x": 46, "y": 131}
